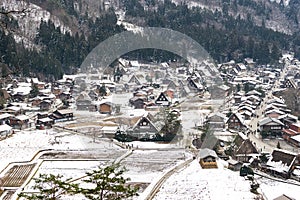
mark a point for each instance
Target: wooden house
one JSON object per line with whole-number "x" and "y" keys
{"x": 235, "y": 122}
{"x": 134, "y": 80}
{"x": 138, "y": 102}
{"x": 293, "y": 130}
{"x": 163, "y": 100}
{"x": 290, "y": 83}
{"x": 184, "y": 91}
{"x": 271, "y": 126}
{"x": 4, "y": 118}
{"x": 44, "y": 123}
{"x": 208, "y": 158}
{"x": 62, "y": 115}
{"x": 13, "y": 110}
{"x": 295, "y": 140}
{"x": 237, "y": 98}
{"x": 36, "y": 101}
{"x": 45, "y": 105}
{"x": 216, "y": 121}
{"x": 19, "y": 122}
{"x": 144, "y": 129}
{"x": 19, "y": 97}
{"x": 243, "y": 149}
{"x": 84, "y": 102}
{"x": 288, "y": 119}
{"x": 64, "y": 96}
{"x": 253, "y": 92}
{"x": 194, "y": 84}
{"x": 172, "y": 85}
{"x": 234, "y": 165}
{"x": 274, "y": 113}
{"x": 5, "y": 131}
{"x": 281, "y": 163}
{"x": 57, "y": 91}
{"x": 105, "y": 107}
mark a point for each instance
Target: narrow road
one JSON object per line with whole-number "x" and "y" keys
{"x": 163, "y": 179}
{"x": 256, "y": 137}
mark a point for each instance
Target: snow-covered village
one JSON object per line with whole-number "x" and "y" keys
{"x": 176, "y": 138}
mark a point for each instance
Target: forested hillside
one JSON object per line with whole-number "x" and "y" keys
{"x": 59, "y": 52}
{"x": 222, "y": 35}
{"x": 217, "y": 25}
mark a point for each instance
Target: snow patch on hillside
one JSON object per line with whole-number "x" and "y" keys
{"x": 29, "y": 23}
{"x": 285, "y": 2}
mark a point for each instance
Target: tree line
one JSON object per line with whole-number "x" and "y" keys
{"x": 225, "y": 37}
{"x": 103, "y": 183}
{"x": 59, "y": 53}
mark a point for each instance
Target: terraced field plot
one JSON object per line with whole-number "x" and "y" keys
{"x": 97, "y": 154}
{"x": 8, "y": 195}
{"x": 17, "y": 175}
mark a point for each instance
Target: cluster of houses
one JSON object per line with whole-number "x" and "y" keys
{"x": 149, "y": 88}
{"x": 30, "y": 103}
{"x": 277, "y": 117}
{"x": 232, "y": 124}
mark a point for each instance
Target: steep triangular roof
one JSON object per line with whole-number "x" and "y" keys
{"x": 134, "y": 79}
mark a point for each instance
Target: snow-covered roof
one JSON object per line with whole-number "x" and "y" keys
{"x": 281, "y": 160}
{"x": 136, "y": 112}
{"x": 254, "y": 92}
{"x": 14, "y": 108}
{"x": 23, "y": 89}
{"x": 267, "y": 120}
{"x": 296, "y": 138}
{"x": 203, "y": 153}
{"x": 5, "y": 127}
{"x": 65, "y": 111}
{"x": 47, "y": 119}
{"x": 22, "y": 117}
{"x": 5, "y": 115}
{"x": 275, "y": 111}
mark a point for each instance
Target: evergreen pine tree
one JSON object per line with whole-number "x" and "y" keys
{"x": 108, "y": 183}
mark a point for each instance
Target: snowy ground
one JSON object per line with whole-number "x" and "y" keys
{"x": 67, "y": 168}
{"x": 144, "y": 166}
{"x": 214, "y": 184}
{"x": 151, "y": 145}
{"x": 23, "y": 145}
{"x": 273, "y": 189}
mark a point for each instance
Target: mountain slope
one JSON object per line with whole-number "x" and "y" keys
{"x": 60, "y": 33}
